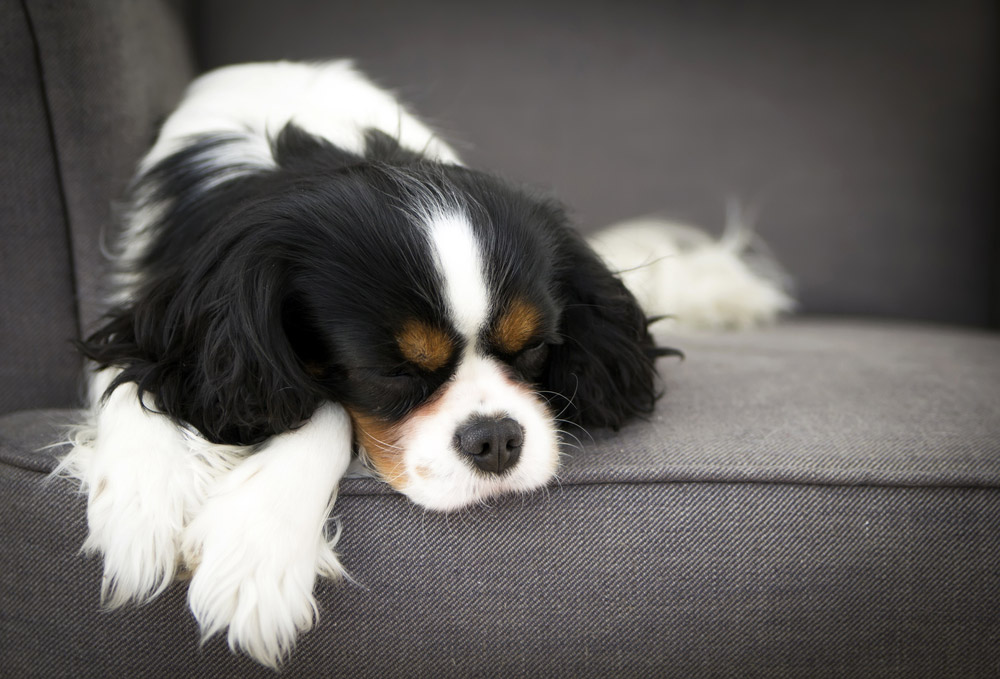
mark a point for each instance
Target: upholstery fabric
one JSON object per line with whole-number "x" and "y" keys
{"x": 719, "y": 540}
{"x": 111, "y": 71}
{"x": 861, "y": 134}
{"x": 84, "y": 85}
{"x": 37, "y": 315}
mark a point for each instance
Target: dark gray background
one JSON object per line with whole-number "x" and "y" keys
{"x": 862, "y": 133}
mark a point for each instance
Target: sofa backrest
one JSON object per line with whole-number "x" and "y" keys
{"x": 862, "y": 134}
{"x": 82, "y": 86}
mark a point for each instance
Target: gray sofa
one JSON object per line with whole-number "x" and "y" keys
{"x": 817, "y": 499}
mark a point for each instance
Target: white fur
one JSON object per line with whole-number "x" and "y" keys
{"x": 260, "y": 539}
{"x": 458, "y": 260}
{"x": 255, "y": 101}
{"x": 439, "y": 479}
{"x": 332, "y": 100}
{"x": 251, "y": 525}
{"x": 699, "y": 282}
{"x": 144, "y": 478}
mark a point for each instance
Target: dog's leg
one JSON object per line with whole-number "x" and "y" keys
{"x": 141, "y": 477}
{"x": 259, "y": 540}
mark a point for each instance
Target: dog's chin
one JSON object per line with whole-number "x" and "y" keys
{"x": 450, "y": 492}
{"x": 454, "y": 493}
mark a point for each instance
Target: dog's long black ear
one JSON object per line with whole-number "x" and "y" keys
{"x": 211, "y": 349}
{"x": 213, "y": 336}
{"x": 604, "y": 366}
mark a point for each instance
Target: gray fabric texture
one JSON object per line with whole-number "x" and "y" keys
{"x": 718, "y": 540}
{"x": 862, "y": 133}
{"x": 84, "y": 85}
{"x": 111, "y": 71}
{"x": 37, "y": 315}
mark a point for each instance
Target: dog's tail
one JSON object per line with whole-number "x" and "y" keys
{"x": 698, "y": 282}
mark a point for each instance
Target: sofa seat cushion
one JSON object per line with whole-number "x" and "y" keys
{"x": 810, "y": 401}
{"x": 817, "y": 499}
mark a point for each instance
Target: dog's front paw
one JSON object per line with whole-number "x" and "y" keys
{"x": 135, "y": 513}
{"x": 136, "y": 469}
{"x": 255, "y": 563}
{"x": 135, "y": 524}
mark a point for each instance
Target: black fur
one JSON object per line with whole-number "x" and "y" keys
{"x": 604, "y": 366}
{"x": 262, "y": 296}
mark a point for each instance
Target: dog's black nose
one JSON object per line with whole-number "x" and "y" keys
{"x": 492, "y": 443}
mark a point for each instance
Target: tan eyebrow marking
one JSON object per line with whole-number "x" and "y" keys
{"x": 517, "y": 326}
{"x": 424, "y": 345}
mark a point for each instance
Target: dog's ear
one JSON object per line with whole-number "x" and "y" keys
{"x": 604, "y": 365}
{"x": 212, "y": 349}
{"x": 213, "y": 336}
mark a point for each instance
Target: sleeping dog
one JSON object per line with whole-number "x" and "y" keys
{"x": 308, "y": 274}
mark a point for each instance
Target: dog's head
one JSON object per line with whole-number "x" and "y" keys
{"x": 459, "y": 320}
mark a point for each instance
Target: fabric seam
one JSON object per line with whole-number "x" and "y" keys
{"x": 60, "y": 183}
{"x": 745, "y": 482}
{"x": 672, "y": 482}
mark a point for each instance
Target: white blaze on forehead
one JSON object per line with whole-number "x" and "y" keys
{"x": 460, "y": 264}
